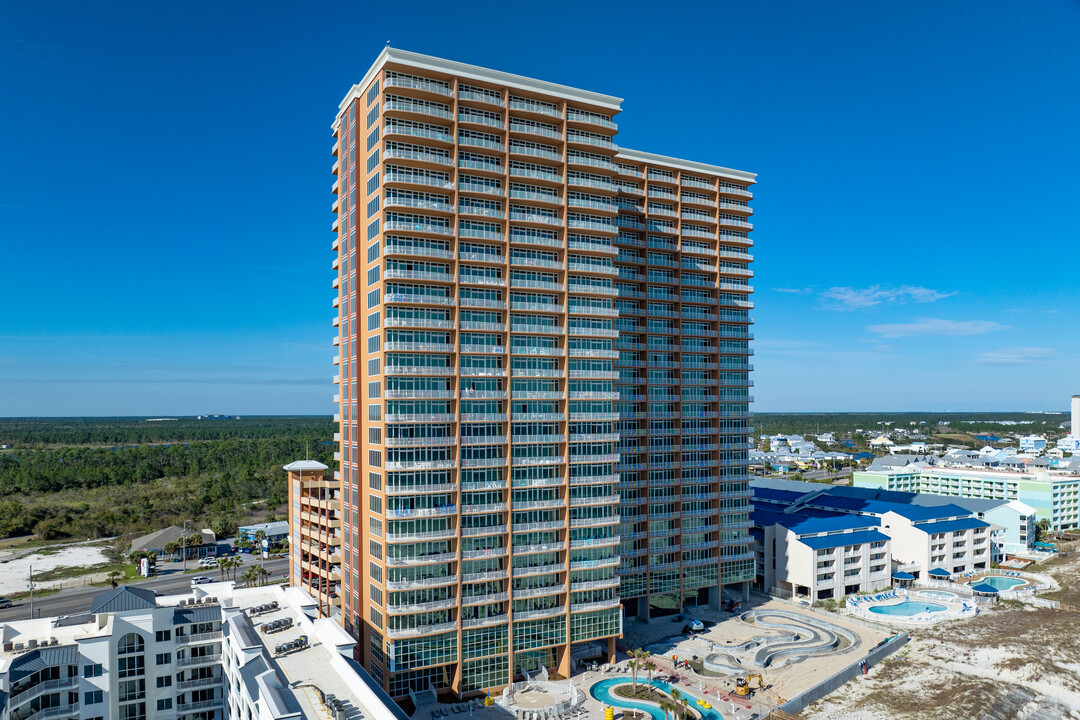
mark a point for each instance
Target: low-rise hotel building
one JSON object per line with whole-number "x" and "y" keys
{"x": 1053, "y": 493}
{"x": 791, "y": 518}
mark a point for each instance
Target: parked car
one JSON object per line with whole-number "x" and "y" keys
{"x": 208, "y": 562}
{"x": 201, "y": 580}
{"x": 5, "y": 602}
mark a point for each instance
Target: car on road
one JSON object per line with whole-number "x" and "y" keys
{"x": 202, "y": 580}
{"x": 5, "y": 602}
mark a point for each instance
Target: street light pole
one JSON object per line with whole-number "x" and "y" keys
{"x": 31, "y": 592}
{"x": 184, "y": 541}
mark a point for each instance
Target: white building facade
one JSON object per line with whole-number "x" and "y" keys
{"x": 191, "y": 657}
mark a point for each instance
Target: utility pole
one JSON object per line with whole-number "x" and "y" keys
{"x": 31, "y": 592}
{"x": 184, "y": 541}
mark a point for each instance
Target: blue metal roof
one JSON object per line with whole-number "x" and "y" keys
{"x": 35, "y": 660}
{"x": 903, "y": 576}
{"x": 801, "y": 525}
{"x": 939, "y": 572}
{"x": 880, "y": 507}
{"x": 776, "y": 494}
{"x": 844, "y": 539}
{"x": 952, "y": 525}
{"x": 811, "y": 521}
{"x": 124, "y": 598}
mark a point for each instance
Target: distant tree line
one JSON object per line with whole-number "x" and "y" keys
{"x": 91, "y": 491}
{"x": 38, "y": 432}
{"x": 961, "y": 422}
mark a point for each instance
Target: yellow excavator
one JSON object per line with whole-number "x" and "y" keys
{"x": 743, "y": 688}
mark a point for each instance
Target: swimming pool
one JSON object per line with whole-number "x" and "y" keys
{"x": 939, "y": 594}
{"x": 908, "y": 608}
{"x": 1000, "y": 583}
{"x": 602, "y": 692}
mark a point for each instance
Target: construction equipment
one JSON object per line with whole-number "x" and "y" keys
{"x": 743, "y": 688}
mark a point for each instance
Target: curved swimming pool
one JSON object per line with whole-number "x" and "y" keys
{"x": 602, "y": 691}
{"x": 1000, "y": 583}
{"x": 908, "y": 608}
{"x": 939, "y": 594}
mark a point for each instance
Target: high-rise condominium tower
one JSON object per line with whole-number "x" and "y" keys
{"x": 543, "y": 350}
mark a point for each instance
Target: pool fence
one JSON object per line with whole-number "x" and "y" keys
{"x": 798, "y": 703}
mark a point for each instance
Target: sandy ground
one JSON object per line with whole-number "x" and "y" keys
{"x": 785, "y": 681}
{"x": 15, "y": 573}
{"x": 1009, "y": 662}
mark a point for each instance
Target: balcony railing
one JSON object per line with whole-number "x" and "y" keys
{"x": 600, "y": 605}
{"x": 448, "y": 534}
{"x": 422, "y": 630}
{"x": 422, "y": 582}
{"x": 431, "y": 157}
{"x": 199, "y": 660}
{"x": 421, "y": 607}
{"x": 543, "y": 613}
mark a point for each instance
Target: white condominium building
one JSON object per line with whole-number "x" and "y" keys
{"x": 216, "y": 653}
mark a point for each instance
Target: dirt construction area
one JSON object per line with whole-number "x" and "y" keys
{"x": 787, "y": 668}
{"x": 1011, "y": 661}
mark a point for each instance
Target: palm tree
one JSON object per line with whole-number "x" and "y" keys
{"x": 263, "y": 574}
{"x": 236, "y": 562}
{"x": 685, "y": 707}
{"x": 633, "y": 665}
{"x": 249, "y": 575}
{"x": 650, "y": 667}
{"x": 668, "y": 707}
{"x": 171, "y": 548}
{"x": 223, "y": 565}
{"x": 676, "y": 696}
{"x": 193, "y": 541}
{"x": 114, "y": 576}
{"x": 640, "y": 657}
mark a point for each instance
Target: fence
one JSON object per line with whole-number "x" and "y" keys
{"x": 780, "y": 593}
{"x": 1041, "y": 581}
{"x": 952, "y": 587}
{"x": 1029, "y": 599}
{"x": 804, "y": 607}
{"x": 798, "y": 703}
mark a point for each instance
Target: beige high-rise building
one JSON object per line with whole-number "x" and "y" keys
{"x": 543, "y": 390}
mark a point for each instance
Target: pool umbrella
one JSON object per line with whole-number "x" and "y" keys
{"x": 938, "y": 572}
{"x": 984, "y": 589}
{"x": 903, "y": 579}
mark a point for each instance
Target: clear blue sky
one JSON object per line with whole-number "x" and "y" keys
{"x": 165, "y": 187}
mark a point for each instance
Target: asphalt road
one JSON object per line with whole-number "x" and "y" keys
{"x": 75, "y": 600}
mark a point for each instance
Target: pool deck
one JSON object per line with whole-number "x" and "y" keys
{"x": 959, "y": 607}
{"x": 787, "y": 681}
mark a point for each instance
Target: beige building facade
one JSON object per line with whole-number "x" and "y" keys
{"x": 543, "y": 357}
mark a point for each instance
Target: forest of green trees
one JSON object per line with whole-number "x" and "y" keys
{"x": 964, "y": 422}
{"x": 99, "y": 477}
